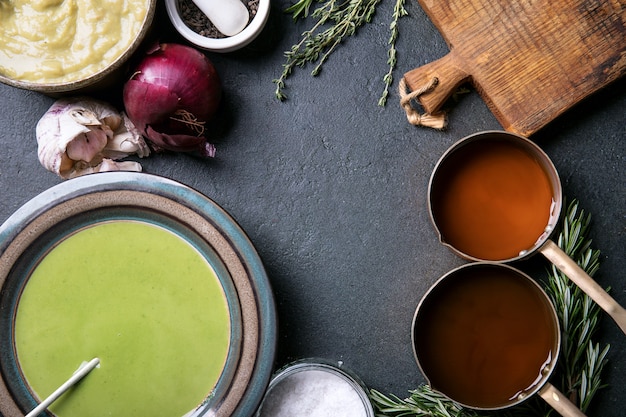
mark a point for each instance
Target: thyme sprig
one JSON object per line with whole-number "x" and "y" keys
{"x": 398, "y": 12}
{"x": 334, "y": 22}
{"x": 581, "y": 363}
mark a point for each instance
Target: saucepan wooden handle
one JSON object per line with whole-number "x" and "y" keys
{"x": 579, "y": 277}
{"x": 559, "y": 402}
{"x": 449, "y": 75}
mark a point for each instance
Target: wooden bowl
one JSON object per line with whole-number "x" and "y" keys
{"x": 105, "y": 76}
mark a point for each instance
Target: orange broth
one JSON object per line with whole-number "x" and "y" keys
{"x": 491, "y": 200}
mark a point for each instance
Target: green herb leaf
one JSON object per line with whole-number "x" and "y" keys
{"x": 398, "y": 12}
{"x": 334, "y": 22}
{"x": 300, "y": 9}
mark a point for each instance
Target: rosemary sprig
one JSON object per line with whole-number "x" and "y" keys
{"x": 581, "y": 362}
{"x": 422, "y": 402}
{"x": 334, "y": 22}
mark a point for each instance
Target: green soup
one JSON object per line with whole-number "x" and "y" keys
{"x": 141, "y": 299}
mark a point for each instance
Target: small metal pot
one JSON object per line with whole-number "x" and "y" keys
{"x": 473, "y": 148}
{"x": 487, "y": 336}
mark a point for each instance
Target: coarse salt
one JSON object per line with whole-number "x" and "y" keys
{"x": 313, "y": 393}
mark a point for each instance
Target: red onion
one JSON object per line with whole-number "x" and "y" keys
{"x": 171, "y": 96}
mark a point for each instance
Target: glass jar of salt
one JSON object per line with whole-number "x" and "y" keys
{"x": 315, "y": 388}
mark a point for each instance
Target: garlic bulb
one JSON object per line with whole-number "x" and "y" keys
{"x": 79, "y": 136}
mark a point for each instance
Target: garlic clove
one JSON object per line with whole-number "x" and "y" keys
{"x": 104, "y": 166}
{"x": 126, "y": 141}
{"x": 87, "y": 146}
{"x": 84, "y": 117}
{"x": 77, "y": 134}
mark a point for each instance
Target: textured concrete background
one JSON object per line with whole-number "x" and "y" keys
{"x": 331, "y": 189}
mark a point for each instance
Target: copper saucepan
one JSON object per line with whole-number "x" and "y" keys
{"x": 496, "y": 196}
{"x": 487, "y": 336}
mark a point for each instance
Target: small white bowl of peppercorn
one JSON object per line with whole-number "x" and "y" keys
{"x": 194, "y": 20}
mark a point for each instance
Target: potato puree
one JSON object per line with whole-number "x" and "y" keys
{"x": 52, "y": 41}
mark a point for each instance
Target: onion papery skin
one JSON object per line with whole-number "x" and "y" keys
{"x": 171, "y": 96}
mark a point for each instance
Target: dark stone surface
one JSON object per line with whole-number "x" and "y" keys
{"x": 331, "y": 189}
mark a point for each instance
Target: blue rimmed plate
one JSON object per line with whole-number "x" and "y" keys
{"x": 78, "y": 203}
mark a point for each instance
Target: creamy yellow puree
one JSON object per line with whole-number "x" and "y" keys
{"x": 50, "y": 41}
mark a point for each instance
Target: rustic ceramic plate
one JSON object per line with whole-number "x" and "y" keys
{"x": 51, "y": 216}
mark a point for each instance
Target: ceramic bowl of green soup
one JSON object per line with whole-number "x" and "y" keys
{"x": 55, "y": 46}
{"x": 146, "y": 274}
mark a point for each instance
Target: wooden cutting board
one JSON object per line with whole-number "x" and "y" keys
{"x": 530, "y": 60}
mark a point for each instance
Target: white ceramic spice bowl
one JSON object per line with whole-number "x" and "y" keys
{"x": 226, "y": 44}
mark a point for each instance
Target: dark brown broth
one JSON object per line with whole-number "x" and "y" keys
{"x": 484, "y": 334}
